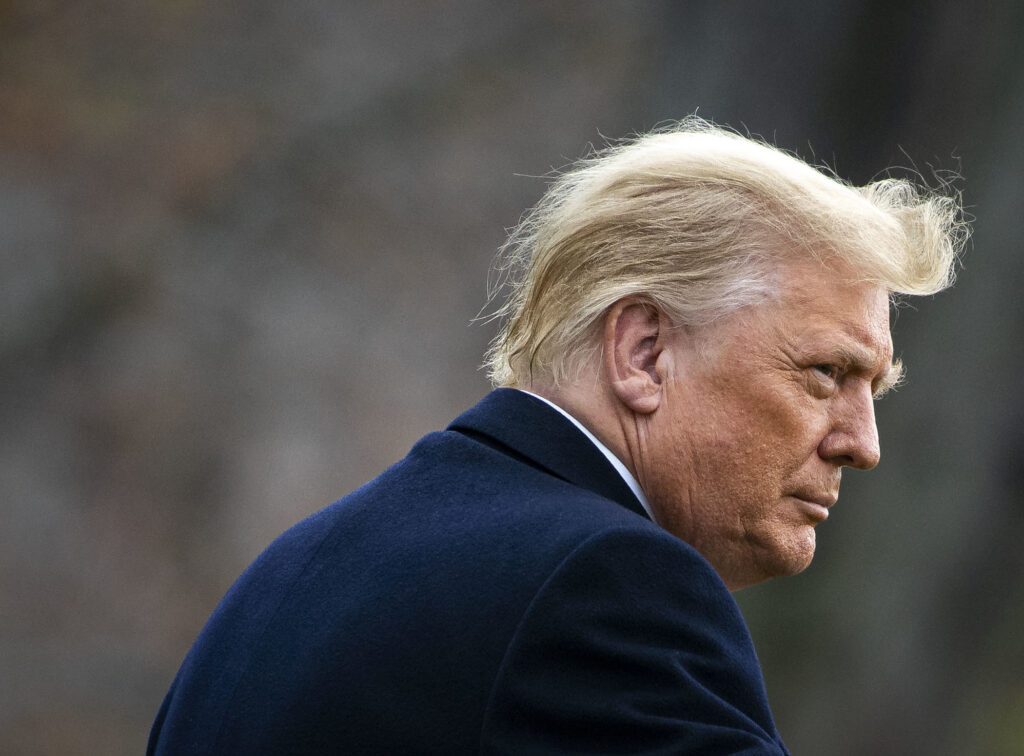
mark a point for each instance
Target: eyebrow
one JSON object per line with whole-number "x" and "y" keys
{"x": 889, "y": 380}
{"x": 859, "y": 360}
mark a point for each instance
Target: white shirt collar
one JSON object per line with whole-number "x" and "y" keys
{"x": 627, "y": 476}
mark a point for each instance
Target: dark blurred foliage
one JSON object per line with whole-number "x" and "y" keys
{"x": 242, "y": 246}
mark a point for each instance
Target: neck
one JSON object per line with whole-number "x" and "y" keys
{"x": 594, "y": 407}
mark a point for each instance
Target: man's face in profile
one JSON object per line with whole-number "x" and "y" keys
{"x": 745, "y": 453}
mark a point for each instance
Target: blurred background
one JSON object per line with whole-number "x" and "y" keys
{"x": 242, "y": 246}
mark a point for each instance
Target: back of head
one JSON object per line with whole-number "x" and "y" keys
{"x": 698, "y": 219}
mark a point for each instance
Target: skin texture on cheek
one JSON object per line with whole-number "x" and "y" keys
{"x": 742, "y": 522}
{"x": 726, "y": 475}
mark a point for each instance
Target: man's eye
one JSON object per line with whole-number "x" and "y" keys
{"x": 831, "y": 372}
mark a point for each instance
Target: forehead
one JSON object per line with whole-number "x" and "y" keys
{"x": 826, "y": 307}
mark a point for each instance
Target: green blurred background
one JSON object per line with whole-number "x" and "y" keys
{"x": 242, "y": 244}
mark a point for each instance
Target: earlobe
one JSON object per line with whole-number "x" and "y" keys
{"x": 633, "y": 341}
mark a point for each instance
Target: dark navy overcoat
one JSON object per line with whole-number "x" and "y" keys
{"x": 499, "y": 590}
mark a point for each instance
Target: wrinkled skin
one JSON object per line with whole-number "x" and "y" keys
{"x": 743, "y": 454}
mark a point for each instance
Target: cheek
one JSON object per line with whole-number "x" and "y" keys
{"x": 767, "y": 445}
{"x": 789, "y": 424}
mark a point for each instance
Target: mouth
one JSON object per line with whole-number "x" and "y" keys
{"x": 816, "y": 505}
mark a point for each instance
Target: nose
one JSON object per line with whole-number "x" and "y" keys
{"x": 852, "y": 440}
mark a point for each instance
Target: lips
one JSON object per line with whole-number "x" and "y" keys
{"x": 816, "y": 504}
{"x": 826, "y": 500}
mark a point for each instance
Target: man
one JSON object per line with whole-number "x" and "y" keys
{"x": 696, "y": 330}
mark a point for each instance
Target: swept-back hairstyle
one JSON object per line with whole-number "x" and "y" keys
{"x": 696, "y": 219}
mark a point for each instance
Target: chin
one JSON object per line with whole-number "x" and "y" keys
{"x": 784, "y": 557}
{"x": 761, "y": 557}
{"x": 795, "y": 556}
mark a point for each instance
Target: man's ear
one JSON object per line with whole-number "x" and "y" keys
{"x": 634, "y": 336}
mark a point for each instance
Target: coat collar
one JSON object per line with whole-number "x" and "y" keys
{"x": 528, "y": 427}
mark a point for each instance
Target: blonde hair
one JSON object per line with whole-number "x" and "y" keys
{"x": 695, "y": 218}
